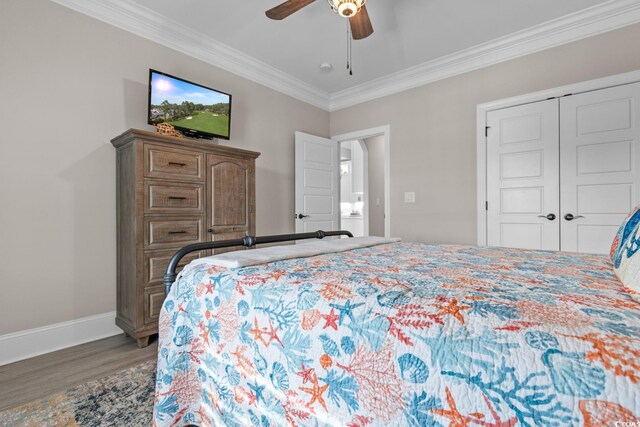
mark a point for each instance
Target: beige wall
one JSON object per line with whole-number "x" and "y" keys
{"x": 433, "y": 129}
{"x": 68, "y": 84}
{"x": 375, "y": 148}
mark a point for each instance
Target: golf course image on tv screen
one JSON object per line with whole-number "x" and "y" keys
{"x": 188, "y": 106}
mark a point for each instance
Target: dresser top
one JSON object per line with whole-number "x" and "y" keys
{"x": 142, "y": 135}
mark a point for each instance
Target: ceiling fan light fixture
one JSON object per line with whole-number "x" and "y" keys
{"x": 346, "y": 8}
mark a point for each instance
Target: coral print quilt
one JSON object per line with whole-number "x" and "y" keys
{"x": 401, "y": 334}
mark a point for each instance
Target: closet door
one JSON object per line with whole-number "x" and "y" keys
{"x": 600, "y": 155}
{"x": 522, "y": 176}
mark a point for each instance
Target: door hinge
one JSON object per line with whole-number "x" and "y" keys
{"x": 486, "y": 130}
{"x": 486, "y": 206}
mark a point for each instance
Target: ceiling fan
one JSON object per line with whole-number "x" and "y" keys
{"x": 355, "y": 10}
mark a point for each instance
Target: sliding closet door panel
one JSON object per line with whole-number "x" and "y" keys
{"x": 600, "y": 154}
{"x": 522, "y": 176}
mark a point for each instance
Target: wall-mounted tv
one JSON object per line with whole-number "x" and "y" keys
{"x": 195, "y": 110}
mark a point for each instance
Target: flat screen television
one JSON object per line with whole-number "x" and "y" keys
{"x": 194, "y": 110}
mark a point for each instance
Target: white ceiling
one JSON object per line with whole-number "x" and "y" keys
{"x": 407, "y": 32}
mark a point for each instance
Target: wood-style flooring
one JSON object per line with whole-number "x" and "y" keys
{"x": 40, "y": 376}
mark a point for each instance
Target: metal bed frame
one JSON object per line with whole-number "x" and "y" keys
{"x": 247, "y": 241}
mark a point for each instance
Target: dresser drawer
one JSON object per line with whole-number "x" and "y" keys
{"x": 153, "y": 299}
{"x": 163, "y": 232}
{"x": 155, "y": 264}
{"x": 161, "y": 197}
{"x": 173, "y": 163}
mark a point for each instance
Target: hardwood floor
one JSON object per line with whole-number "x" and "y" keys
{"x": 40, "y": 376}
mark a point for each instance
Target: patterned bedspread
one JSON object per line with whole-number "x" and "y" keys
{"x": 401, "y": 334}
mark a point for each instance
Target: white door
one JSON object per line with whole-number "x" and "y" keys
{"x": 522, "y": 176}
{"x": 600, "y": 153}
{"x": 317, "y": 187}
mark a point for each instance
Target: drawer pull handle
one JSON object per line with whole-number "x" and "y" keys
{"x": 178, "y": 232}
{"x": 180, "y": 165}
{"x": 177, "y": 198}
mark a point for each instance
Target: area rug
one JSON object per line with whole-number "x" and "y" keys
{"x": 121, "y": 399}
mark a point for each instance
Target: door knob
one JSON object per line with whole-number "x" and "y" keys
{"x": 550, "y": 216}
{"x": 300, "y": 216}
{"x": 570, "y": 217}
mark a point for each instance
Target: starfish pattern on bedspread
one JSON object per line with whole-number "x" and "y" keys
{"x": 401, "y": 334}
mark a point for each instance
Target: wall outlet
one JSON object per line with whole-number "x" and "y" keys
{"x": 409, "y": 197}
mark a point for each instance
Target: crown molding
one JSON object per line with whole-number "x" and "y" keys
{"x": 589, "y": 22}
{"x": 146, "y": 23}
{"x": 150, "y": 25}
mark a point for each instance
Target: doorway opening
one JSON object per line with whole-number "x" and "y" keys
{"x": 364, "y": 182}
{"x": 354, "y": 187}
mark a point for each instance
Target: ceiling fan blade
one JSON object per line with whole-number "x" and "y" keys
{"x": 361, "y": 24}
{"x": 287, "y": 8}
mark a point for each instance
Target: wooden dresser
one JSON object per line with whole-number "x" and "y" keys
{"x": 172, "y": 192}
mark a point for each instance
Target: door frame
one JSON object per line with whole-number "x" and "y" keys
{"x": 481, "y": 123}
{"x": 385, "y": 132}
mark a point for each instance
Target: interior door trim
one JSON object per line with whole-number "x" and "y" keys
{"x": 385, "y": 132}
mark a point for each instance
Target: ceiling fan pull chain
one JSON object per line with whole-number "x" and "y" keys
{"x": 349, "y": 50}
{"x": 350, "y": 57}
{"x": 348, "y": 47}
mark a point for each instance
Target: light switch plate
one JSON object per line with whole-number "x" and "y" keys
{"x": 409, "y": 197}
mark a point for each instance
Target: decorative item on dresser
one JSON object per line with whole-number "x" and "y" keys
{"x": 172, "y": 192}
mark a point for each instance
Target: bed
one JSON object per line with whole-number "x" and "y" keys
{"x": 379, "y": 332}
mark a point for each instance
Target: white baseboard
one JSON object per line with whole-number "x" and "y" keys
{"x": 33, "y": 342}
